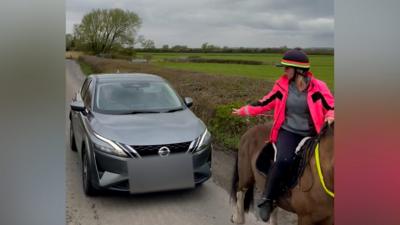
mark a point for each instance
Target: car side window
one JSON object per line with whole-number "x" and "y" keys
{"x": 88, "y": 94}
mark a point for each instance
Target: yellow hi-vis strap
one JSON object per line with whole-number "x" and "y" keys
{"x": 321, "y": 177}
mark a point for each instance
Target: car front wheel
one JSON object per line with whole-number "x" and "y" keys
{"x": 72, "y": 143}
{"x": 86, "y": 177}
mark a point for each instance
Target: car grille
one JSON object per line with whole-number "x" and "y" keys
{"x": 148, "y": 150}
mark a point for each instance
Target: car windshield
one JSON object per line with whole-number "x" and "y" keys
{"x": 131, "y": 97}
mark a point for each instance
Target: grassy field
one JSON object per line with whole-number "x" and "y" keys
{"x": 322, "y": 65}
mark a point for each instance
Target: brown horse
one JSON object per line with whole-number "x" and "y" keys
{"x": 307, "y": 199}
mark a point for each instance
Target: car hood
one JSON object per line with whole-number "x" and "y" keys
{"x": 149, "y": 128}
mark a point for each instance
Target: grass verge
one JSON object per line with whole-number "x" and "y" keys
{"x": 85, "y": 67}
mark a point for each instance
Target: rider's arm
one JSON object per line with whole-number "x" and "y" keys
{"x": 263, "y": 105}
{"x": 328, "y": 101}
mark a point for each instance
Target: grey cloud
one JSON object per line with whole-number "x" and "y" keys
{"x": 252, "y": 23}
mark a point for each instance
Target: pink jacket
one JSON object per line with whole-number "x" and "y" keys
{"x": 320, "y": 103}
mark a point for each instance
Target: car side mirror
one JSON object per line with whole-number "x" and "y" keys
{"x": 77, "y": 106}
{"x": 188, "y": 101}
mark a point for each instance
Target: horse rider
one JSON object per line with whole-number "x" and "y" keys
{"x": 301, "y": 104}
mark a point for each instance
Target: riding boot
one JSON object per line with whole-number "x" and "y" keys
{"x": 270, "y": 193}
{"x": 265, "y": 208}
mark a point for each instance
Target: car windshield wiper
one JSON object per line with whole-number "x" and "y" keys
{"x": 142, "y": 111}
{"x": 173, "y": 110}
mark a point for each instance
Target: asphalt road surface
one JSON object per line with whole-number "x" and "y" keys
{"x": 207, "y": 204}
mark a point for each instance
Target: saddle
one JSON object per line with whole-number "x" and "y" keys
{"x": 303, "y": 153}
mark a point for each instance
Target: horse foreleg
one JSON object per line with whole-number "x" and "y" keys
{"x": 238, "y": 214}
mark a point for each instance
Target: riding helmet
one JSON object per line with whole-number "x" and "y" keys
{"x": 295, "y": 58}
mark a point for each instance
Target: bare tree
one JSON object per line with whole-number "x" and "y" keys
{"x": 102, "y": 29}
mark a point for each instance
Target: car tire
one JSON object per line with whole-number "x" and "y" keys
{"x": 87, "y": 177}
{"x": 72, "y": 142}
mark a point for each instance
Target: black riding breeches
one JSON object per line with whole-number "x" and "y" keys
{"x": 286, "y": 145}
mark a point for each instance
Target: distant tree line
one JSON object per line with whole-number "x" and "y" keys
{"x": 207, "y": 48}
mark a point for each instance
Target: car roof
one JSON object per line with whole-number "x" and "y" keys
{"x": 127, "y": 76}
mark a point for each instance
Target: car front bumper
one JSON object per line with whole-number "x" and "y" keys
{"x": 111, "y": 172}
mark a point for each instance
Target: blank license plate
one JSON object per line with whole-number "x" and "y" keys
{"x": 155, "y": 173}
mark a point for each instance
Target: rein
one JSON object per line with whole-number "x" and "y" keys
{"x": 320, "y": 175}
{"x": 318, "y": 163}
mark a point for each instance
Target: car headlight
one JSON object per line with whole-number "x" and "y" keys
{"x": 203, "y": 141}
{"x": 105, "y": 145}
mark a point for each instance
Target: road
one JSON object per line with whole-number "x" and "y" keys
{"x": 207, "y": 204}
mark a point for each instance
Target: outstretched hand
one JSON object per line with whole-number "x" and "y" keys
{"x": 236, "y": 112}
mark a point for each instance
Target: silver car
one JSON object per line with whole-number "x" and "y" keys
{"x": 132, "y": 132}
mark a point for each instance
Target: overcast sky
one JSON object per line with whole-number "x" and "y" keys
{"x": 233, "y": 23}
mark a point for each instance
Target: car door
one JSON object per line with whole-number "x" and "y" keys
{"x": 79, "y": 117}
